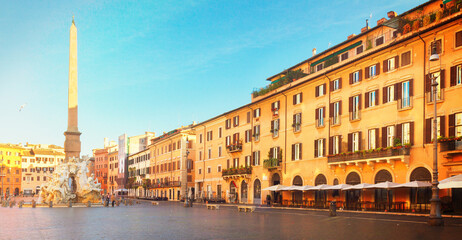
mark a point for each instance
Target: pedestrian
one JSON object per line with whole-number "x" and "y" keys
{"x": 268, "y": 200}
{"x": 107, "y": 200}
{"x": 112, "y": 200}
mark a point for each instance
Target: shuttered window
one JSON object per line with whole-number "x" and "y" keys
{"x": 456, "y": 75}
{"x": 406, "y": 58}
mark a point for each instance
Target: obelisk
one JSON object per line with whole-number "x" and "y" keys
{"x": 72, "y": 142}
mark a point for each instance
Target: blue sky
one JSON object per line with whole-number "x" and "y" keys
{"x": 155, "y": 65}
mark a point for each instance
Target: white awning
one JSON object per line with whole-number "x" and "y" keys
{"x": 293, "y": 188}
{"x": 413, "y": 184}
{"x": 452, "y": 182}
{"x": 319, "y": 187}
{"x": 382, "y": 185}
{"x": 275, "y": 188}
{"x": 358, "y": 186}
{"x": 338, "y": 187}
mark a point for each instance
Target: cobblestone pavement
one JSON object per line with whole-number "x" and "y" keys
{"x": 172, "y": 221}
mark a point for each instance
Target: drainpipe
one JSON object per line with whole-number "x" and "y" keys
{"x": 328, "y": 122}
{"x": 285, "y": 135}
{"x": 251, "y": 137}
{"x": 424, "y": 93}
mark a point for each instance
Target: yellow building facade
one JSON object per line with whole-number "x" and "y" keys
{"x": 359, "y": 112}
{"x": 10, "y": 169}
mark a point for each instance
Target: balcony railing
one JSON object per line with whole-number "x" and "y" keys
{"x": 297, "y": 127}
{"x": 275, "y": 132}
{"x": 335, "y": 120}
{"x": 450, "y": 144}
{"x": 166, "y": 184}
{"x": 439, "y": 96}
{"x": 271, "y": 163}
{"x": 236, "y": 171}
{"x": 355, "y": 115}
{"x": 320, "y": 122}
{"x": 405, "y": 103}
{"x": 378, "y": 153}
{"x": 236, "y": 147}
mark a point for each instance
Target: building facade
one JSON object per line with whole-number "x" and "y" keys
{"x": 10, "y": 169}
{"x": 101, "y": 168}
{"x": 113, "y": 170}
{"x": 138, "y": 173}
{"x": 359, "y": 112}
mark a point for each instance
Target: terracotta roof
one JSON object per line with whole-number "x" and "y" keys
{"x": 42, "y": 151}
{"x": 9, "y": 145}
{"x": 28, "y": 153}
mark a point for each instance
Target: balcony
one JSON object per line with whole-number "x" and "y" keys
{"x": 320, "y": 122}
{"x": 439, "y": 96}
{"x": 236, "y": 172}
{"x": 335, "y": 120}
{"x": 271, "y": 163}
{"x": 451, "y": 147}
{"x": 405, "y": 103}
{"x": 235, "y": 147}
{"x": 371, "y": 156}
{"x": 296, "y": 127}
{"x": 166, "y": 184}
{"x": 355, "y": 115}
{"x": 275, "y": 132}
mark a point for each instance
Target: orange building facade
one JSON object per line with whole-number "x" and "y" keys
{"x": 172, "y": 164}
{"x": 359, "y": 112}
{"x": 101, "y": 168}
{"x": 113, "y": 170}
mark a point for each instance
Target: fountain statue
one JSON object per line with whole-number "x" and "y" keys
{"x": 70, "y": 183}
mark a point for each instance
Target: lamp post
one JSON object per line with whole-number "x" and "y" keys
{"x": 1, "y": 175}
{"x": 435, "y": 218}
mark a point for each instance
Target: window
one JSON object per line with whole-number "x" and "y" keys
{"x": 336, "y": 144}
{"x": 406, "y": 133}
{"x": 236, "y": 121}
{"x": 405, "y": 58}
{"x": 248, "y": 117}
{"x": 355, "y": 77}
{"x": 319, "y": 147}
{"x": 220, "y": 132}
{"x": 319, "y": 67}
{"x": 389, "y": 94}
{"x": 458, "y": 40}
{"x": 335, "y": 109}
{"x": 438, "y": 127}
{"x": 320, "y": 90}
{"x": 297, "y": 122}
{"x": 200, "y": 141}
{"x": 356, "y": 142}
{"x": 359, "y": 49}
{"x": 372, "y": 98}
{"x": 456, "y": 75}
{"x": 297, "y": 98}
{"x": 228, "y": 124}
{"x": 275, "y": 127}
{"x": 219, "y": 168}
{"x": 200, "y": 170}
{"x": 228, "y": 140}
{"x": 406, "y": 97}
{"x": 390, "y": 135}
{"x": 355, "y": 107}
{"x": 439, "y": 78}
{"x": 257, "y": 113}
{"x": 248, "y": 136}
{"x": 256, "y": 158}
{"x": 275, "y": 152}
{"x": 379, "y": 41}
{"x": 320, "y": 115}
{"x": 209, "y": 170}
{"x": 247, "y": 161}
{"x": 344, "y": 56}
{"x": 458, "y": 124}
{"x": 435, "y": 45}
{"x": 391, "y": 64}
{"x": 372, "y": 71}
{"x": 256, "y": 132}
{"x": 373, "y": 134}
{"x": 209, "y": 137}
{"x": 210, "y": 153}
{"x": 219, "y": 151}
{"x": 296, "y": 151}
{"x": 235, "y": 162}
{"x": 200, "y": 155}
{"x": 335, "y": 85}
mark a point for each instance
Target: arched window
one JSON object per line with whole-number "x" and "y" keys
{"x": 244, "y": 191}
{"x": 383, "y": 176}
{"x": 336, "y": 181}
{"x": 257, "y": 189}
{"x": 297, "y": 181}
{"x": 421, "y": 174}
{"x": 275, "y": 179}
{"x": 353, "y": 178}
{"x": 320, "y": 179}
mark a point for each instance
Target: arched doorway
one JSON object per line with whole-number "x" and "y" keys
{"x": 232, "y": 192}
{"x": 320, "y": 196}
{"x": 16, "y": 191}
{"x": 420, "y": 195}
{"x": 297, "y": 196}
{"x": 352, "y": 197}
{"x": 383, "y": 196}
{"x": 277, "y": 196}
{"x": 244, "y": 191}
{"x": 335, "y": 192}
{"x": 257, "y": 192}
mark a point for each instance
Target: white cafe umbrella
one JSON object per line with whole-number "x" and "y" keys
{"x": 452, "y": 182}
{"x": 275, "y": 188}
{"x": 358, "y": 186}
{"x": 413, "y": 184}
{"x": 382, "y": 185}
{"x": 293, "y": 188}
{"x": 319, "y": 187}
{"x": 306, "y": 187}
{"x": 338, "y": 187}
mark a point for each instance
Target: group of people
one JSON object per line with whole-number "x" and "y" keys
{"x": 108, "y": 199}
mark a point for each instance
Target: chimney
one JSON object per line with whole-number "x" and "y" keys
{"x": 391, "y": 14}
{"x": 381, "y": 21}
{"x": 364, "y": 29}
{"x": 351, "y": 36}
{"x": 314, "y": 51}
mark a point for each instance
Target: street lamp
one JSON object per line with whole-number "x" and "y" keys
{"x": 435, "y": 218}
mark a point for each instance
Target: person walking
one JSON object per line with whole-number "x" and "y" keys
{"x": 112, "y": 200}
{"x": 268, "y": 200}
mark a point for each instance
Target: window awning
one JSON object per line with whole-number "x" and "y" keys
{"x": 336, "y": 53}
